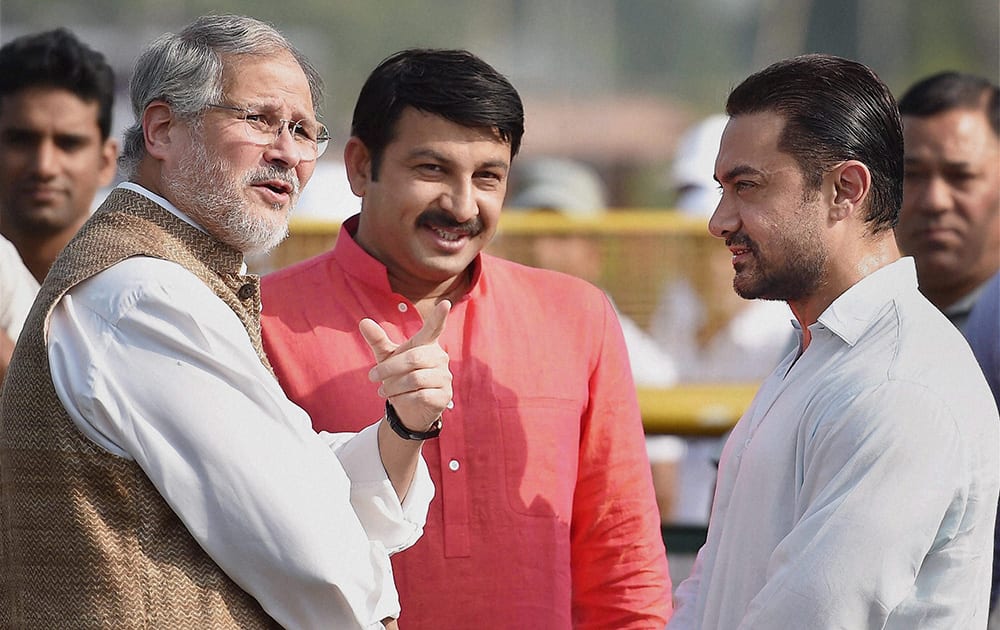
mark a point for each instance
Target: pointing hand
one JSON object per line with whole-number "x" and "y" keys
{"x": 414, "y": 374}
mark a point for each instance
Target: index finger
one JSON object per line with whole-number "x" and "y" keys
{"x": 431, "y": 330}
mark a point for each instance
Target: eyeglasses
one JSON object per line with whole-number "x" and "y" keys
{"x": 263, "y": 130}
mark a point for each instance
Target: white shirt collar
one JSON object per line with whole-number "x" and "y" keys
{"x": 850, "y": 314}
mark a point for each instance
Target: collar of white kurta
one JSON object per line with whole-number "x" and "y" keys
{"x": 850, "y": 315}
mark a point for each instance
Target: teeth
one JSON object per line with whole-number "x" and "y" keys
{"x": 447, "y": 236}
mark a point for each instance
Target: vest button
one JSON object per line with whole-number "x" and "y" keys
{"x": 246, "y": 291}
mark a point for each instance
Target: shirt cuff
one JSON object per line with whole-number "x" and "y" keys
{"x": 396, "y": 525}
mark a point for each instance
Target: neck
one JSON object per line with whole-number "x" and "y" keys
{"x": 871, "y": 254}
{"x": 425, "y": 297}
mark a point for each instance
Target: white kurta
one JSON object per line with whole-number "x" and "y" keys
{"x": 859, "y": 490}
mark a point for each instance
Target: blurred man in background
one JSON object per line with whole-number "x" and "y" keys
{"x": 575, "y": 190}
{"x": 950, "y": 221}
{"x": 703, "y": 324}
{"x": 56, "y": 151}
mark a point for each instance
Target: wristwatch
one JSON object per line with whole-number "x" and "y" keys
{"x": 405, "y": 433}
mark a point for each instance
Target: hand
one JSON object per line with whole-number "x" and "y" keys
{"x": 414, "y": 375}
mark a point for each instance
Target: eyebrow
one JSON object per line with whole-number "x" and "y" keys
{"x": 271, "y": 107}
{"x": 737, "y": 171}
{"x": 26, "y": 132}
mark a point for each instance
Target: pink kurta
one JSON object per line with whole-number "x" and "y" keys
{"x": 545, "y": 515}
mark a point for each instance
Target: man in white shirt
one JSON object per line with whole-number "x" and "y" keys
{"x": 17, "y": 292}
{"x": 153, "y": 472}
{"x": 859, "y": 489}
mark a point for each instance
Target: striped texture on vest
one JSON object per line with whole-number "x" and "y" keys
{"x": 86, "y": 541}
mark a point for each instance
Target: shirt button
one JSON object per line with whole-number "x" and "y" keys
{"x": 403, "y": 307}
{"x": 453, "y": 465}
{"x": 246, "y": 291}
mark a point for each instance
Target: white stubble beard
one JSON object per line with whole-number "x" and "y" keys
{"x": 204, "y": 190}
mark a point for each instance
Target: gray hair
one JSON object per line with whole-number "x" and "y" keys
{"x": 185, "y": 71}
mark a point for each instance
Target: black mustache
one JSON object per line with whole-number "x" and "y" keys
{"x": 442, "y": 219}
{"x": 741, "y": 240}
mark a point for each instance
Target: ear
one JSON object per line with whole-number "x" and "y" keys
{"x": 157, "y": 122}
{"x": 108, "y": 162}
{"x": 358, "y": 161}
{"x": 851, "y": 183}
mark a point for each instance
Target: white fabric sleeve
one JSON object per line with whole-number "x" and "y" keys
{"x": 397, "y": 526}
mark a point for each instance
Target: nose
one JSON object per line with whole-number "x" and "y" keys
{"x": 725, "y": 220}
{"x": 460, "y": 201}
{"x": 46, "y": 160}
{"x": 930, "y": 194}
{"x": 284, "y": 150}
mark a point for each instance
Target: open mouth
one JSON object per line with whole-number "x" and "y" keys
{"x": 741, "y": 250}
{"x": 448, "y": 235}
{"x": 278, "y": 187}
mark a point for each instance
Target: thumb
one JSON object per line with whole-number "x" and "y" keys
{"x": 377, "y": 339}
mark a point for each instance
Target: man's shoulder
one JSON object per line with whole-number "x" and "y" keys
{"x": 142, "y": 275}
{"x": 912, "y": 367}
{"x": 140, "y": 285}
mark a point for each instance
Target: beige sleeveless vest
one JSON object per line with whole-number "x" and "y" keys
{"x": 86, "y": 541}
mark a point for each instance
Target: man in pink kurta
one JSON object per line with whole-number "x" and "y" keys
{"x": 544, "y": 515}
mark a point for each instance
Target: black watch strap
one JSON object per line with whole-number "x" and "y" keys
{"x": 405, "y": 433}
